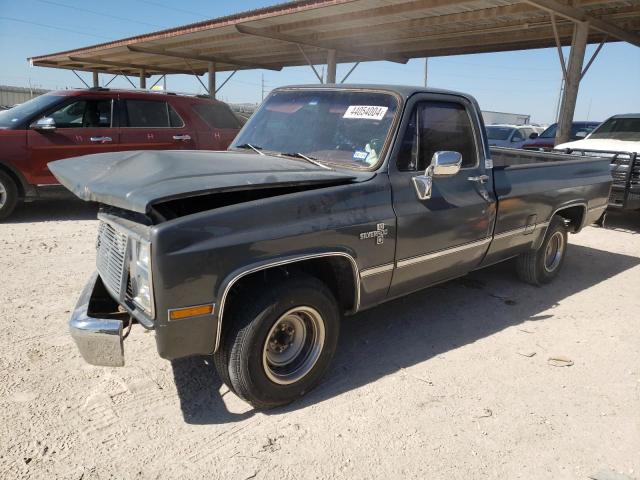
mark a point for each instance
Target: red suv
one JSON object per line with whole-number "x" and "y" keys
{"x": 71, "y": 123}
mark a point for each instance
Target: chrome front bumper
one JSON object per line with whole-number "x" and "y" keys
{"x": 99, "y": 340}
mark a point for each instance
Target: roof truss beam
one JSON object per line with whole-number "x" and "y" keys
{"x": 577, "y": 15}
{"x": 209, "y": 58}
{"x": 150, "y": 68}
{"x": 262, "y": 32}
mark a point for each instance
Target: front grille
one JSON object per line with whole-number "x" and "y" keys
{"x": 111, "y": 256}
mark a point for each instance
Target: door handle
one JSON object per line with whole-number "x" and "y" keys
{"x": 479, "y": 179}
{"x": 184, "y": 138}
{"x": 101, "y": 139}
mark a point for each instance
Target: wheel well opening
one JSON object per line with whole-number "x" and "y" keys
{"x": 574, "y": 217}
{"x": 337, "y": 273}
{"x": 15, "y": 179}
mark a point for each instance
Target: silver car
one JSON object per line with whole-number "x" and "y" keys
{"x": 510, "y": 136}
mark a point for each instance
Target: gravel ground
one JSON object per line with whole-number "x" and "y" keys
{"x": 452, "y": 382}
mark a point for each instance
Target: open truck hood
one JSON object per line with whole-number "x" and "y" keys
{"x": 138, "y": 180}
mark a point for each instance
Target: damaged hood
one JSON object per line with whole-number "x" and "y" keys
{"x": 138, "y": 180}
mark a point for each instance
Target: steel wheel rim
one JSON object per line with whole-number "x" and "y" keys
{"x": 293, "y": 345}
{"x": 554, "y": 252}
{"x": 3, "y": 195}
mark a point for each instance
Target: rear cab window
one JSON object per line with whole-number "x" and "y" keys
{"x": 150, "y": 114}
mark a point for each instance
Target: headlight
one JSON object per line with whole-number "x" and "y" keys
{"x": 140, "y": 271}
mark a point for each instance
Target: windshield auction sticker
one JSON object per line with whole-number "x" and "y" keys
{"x": 366, "y": 112}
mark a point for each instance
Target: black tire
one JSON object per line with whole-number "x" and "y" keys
{"x": 541, "y": 266}
{"x": 242, "y": 358}
{"x": 8, "y": 195}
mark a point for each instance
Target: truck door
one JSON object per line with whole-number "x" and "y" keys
{"x": 153, "y": 125}
{"x": 447, "y": 234}
{"x": 82, "y": 126}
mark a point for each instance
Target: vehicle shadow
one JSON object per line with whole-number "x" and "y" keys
{"x": 53, "y": 210}
{"x": 411, "y": 330}
{"x": 198, "y": 388}
{"x": 623, "y": 220}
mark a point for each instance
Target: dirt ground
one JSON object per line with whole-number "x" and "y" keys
{"x": 452, "y": 382}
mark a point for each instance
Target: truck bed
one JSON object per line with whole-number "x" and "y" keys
{"x": 530, "y": 186}
{"x": 510, "y": 157}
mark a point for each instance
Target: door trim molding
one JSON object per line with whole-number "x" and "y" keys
{"x": 441, "y": 253}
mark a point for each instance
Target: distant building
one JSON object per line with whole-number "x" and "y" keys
{"x": 10, "y": 96}
{"x": 491, "y": 118}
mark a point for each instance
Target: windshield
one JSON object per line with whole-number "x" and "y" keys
{"x": 621, "y": 128}
{"x": 550, "y": 132}
{"x": 342, "y": 127}
{"x": 18, "y": 114}
{"x": 577, "y": 128}
{"x": 499, "y": 133}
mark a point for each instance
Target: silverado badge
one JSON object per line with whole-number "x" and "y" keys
{"x": 379, "y": 233}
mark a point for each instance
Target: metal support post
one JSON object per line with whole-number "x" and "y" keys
{"x": 96, "y": 80}
{"x": 572, "y": 84}
{"x": 143, "y": 79}
{"x": 212, "y": 79}
{"x": 331, "y": 66}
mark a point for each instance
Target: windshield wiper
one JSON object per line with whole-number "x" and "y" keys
{"x": 247, "y": 146}
{"x": 307, "y": 158}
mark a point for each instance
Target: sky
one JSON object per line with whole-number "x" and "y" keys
{"x": 525, "y": 82}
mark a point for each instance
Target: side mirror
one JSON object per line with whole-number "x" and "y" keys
{"x": 44, "y": 124}
{"x": 533, "y": 136}
{"x": 581, "y": 134}
{"x": 443, "y": 164}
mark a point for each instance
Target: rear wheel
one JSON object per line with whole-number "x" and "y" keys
{"x": 8, "y": 195}
{"x": 279, "y": 343}
{"x": 540, "y": 266}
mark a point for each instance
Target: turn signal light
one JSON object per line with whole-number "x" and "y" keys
{"x": 188, "y": 312}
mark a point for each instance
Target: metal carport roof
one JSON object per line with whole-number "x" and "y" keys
{"x": 358, "y": 30}
{"x": 334, "y": 31}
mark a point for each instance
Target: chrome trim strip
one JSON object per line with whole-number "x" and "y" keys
{"x": 564, "y": 207}
{"x": 441, "y": 253}
{"x": 376, "y": 270}
{"x": 510, "y": 233}
{"x": 223, "y": 298}
{"x": 598, "y": 207}
{"x": 521, "y": 230}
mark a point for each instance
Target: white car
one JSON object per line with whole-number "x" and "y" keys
{"x": 619, "y": 139}
{"x": 620, "y": 133}
{"x": 511, "y": 136}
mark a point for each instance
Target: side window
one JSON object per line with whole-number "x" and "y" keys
{"x": 217, "y": 115}
{"x": 445, "y": 126}
{"x": 151, "y": 114}
{"x": 84, "y": 114}
{"x": 408, "y": 155}
{"x": 517, "y": 136}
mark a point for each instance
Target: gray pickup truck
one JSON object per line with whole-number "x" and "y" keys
{"x": 331, "y": 200}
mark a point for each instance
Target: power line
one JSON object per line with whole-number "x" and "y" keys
{"x": 62, "y": 29}
{"x": 94, "y": 12}
{"x": 173, "y": 9}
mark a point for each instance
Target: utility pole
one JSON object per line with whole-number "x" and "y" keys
{"x": 263, "y": 86}
{"x": 426, "y": 70}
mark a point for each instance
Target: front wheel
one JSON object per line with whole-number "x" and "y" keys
{"x": 540, "y": 266}
{"x": 279, "y": 344}
{"x": 8, "y": 195}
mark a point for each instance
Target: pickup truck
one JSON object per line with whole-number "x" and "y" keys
{"x": 618, "y": 139}
{"x": 331, "y": 200}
